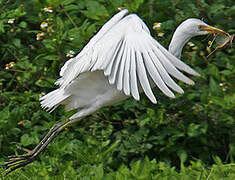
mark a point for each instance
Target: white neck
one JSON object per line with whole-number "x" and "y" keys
{"x": 178, "y": 41}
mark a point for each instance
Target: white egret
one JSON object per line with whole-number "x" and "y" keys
{"x": 120, "y": 61}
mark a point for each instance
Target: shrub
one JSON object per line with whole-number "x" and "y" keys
{"x": 190, "y": 137}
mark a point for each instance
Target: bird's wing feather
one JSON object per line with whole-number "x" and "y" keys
{"x": 137, "y": 59}
{"x": 68, "y": 72}
{"x": 132, "y": 60}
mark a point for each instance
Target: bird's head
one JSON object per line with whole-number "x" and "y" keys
{"x": 188, "y": 29}
{"x": 196, "y": 27}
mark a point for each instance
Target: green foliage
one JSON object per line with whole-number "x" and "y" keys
{"x": 139, "y": 170}
{"x": 190, "y": 137}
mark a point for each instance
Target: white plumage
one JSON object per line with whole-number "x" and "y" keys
{"x": 120, "y": 61}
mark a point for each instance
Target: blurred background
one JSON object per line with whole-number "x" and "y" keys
{"x": 190, "y": 137}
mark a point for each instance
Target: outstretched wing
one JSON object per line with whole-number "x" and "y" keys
{"x": 69, "y": 71}
{"x": 132, "y": 60}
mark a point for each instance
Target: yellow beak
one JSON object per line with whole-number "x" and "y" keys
{"x": 211, "y": 30}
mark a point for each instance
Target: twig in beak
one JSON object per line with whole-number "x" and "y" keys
{"x": 226, "y": 43}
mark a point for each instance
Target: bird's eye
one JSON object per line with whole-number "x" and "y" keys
{"x": 202, "y": 27}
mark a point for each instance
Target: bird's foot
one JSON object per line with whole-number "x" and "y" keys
{"x": 19, "y": 161}
{"x": 15, "y": 162}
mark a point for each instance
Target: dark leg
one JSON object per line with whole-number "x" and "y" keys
{"x": 16, "y": 162}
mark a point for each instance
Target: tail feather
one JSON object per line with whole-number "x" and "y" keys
{"x": 53, "y": 99}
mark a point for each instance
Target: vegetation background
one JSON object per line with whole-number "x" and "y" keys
{"x": 190, "y": 137}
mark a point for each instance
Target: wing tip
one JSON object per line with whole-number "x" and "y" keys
{"x": 193, "y": 72}
{"x": 180, "y": 91}
{"x": 190, "y": 82}
{"x": 153, "y": 100}
{"x": 136, "y": 96}
{"x": 172, "y": 96}
{"x": 197, "y": 74}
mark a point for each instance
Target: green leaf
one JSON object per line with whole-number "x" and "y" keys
{"x": 214, "y": 71}
{"x": 183, "y": 157}
{"x": 99, "y": 172}
{"x": 51, "y": 57}
{"x": 193, "y": 130}
{"x": 4, "y": 114}
{"x": 71, "y": 7}
{"x": 134, "y": 5}
{"x": 66, "y": 2}
{"x": 144, "y": 121}
{"x": 26, "y": 140}
{"x": 17, "y": 42}
{"x": 1, "y": 27}
{"x": 95, "y": 10}
{"x": 45, "y": 82}
{"x": 23, "y": 24}
{"x": 214, "y": 87}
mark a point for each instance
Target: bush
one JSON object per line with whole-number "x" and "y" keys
{"x": 191, "y": 136}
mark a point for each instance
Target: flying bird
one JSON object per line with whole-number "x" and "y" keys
{"x": 122, "y": 60}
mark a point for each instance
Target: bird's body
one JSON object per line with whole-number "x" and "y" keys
{"x": 88, "y": 96}
{"x": 120, "y": 61}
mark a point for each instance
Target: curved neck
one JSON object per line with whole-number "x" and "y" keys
{"x": 178, "y": 41}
